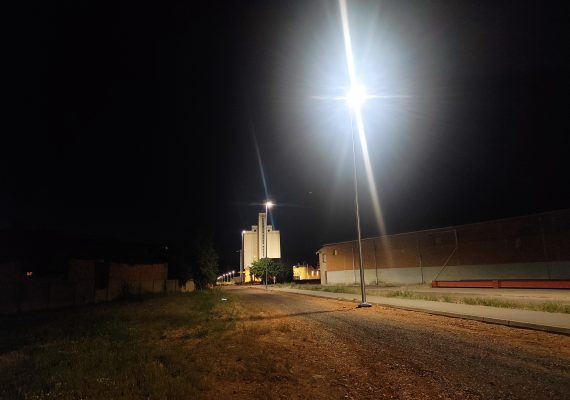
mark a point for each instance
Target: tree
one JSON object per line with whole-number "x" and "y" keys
{"x": 274, "y": 268}
{"x": 197, "y": 260}
{"x": 206, "y": 259}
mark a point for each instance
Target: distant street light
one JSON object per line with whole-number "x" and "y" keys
{"x": 268, "y": 205}
{"x": 241, "y": 259}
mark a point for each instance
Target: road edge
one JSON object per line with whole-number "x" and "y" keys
{"x": 495, "y": 321}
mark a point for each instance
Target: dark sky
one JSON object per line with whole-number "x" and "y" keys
{"x": 140, "y": 120}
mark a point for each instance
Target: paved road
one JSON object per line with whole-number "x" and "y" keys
{"x": 388, "y": 353}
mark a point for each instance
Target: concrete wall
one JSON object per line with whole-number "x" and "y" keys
{"x": 540, "y": 270}
{"x": 530, "y": 247}
{"x": 19, "y": 293}
{"x": 250, "y": 248}
{"x": 273, "y": 243}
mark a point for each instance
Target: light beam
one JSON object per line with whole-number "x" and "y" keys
{"x": 355, "y": 99}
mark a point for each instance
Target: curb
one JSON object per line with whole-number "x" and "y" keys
{"x": 489, "y": 320}
{"x": 495, "y": 321}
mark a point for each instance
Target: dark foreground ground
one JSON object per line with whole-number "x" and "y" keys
{"x": 269, "y": 345}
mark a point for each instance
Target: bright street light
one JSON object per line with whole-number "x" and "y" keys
{"x": 268, "y": 205}
{"x": 356, "y": 96}
{"x": 241, "y": 259}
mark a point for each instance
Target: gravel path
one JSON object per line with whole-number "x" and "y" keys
{"x": 322, "y": 348}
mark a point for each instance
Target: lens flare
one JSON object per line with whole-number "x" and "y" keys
{"x": 355, "y": 99}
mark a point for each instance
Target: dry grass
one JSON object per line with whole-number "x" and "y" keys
{"x": 412, "y": 295}
{"x": 128, "y": 350}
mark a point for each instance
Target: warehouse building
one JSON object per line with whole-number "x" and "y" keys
{"x": 528, "y": 247}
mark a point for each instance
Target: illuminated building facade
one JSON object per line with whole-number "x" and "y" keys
{"x": 262, "y": 241}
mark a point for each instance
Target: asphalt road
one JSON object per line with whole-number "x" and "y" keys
{"x": 333, "y": 350}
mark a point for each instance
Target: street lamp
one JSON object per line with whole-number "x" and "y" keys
{"x": 268, "y": 205}
{"x": 355, "y": 98}
{"x": 241, "y": 259}
{"x": 360, "y": 259}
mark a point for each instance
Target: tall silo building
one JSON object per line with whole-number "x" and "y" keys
{"x": 259, "y": 242}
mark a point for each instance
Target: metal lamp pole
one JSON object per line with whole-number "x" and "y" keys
{"x": 241, "y": 260}
{"x": 268, "y": 205}
{"x": 363, "y": 303}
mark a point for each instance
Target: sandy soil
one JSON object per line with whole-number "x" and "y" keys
{"x": 288, "y": 346}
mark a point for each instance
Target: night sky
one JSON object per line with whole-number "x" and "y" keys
{"x": 144, "y": 121}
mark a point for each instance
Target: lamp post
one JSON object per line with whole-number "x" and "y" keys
{"x": 268, "y": 205}
{"x": 363, "y": 303}
{"x": 355, "y": 98}
{"x": 241, "y": 259}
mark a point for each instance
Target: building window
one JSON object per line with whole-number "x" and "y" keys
{"x": 324, "y": 258}
{"x": 335, "y": 252}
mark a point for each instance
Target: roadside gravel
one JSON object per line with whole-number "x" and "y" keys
{"x": 295, "y": 346}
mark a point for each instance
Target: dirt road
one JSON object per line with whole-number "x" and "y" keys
{"x": 294, "y": 346}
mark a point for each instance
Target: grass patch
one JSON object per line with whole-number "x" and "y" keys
{"x": 490, "y": 302}
{"x": 481, "y": 301}
{"x": 405, "y": 294}
{"x": 339, "y": 289}
{"x": 123, "y": 350}
{"x": 411, "y": 295}
{"x": 321, "y": 288}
